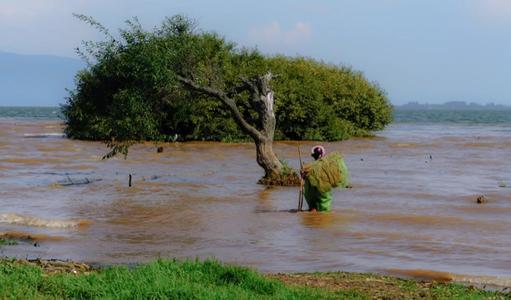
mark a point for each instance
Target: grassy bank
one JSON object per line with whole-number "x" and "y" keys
{"x": 7, "y": 242}
{"x": 171, "y": 279}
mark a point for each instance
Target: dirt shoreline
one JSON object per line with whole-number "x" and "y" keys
{"x": 381, "y": 286}
{"x": 54, "y": 266}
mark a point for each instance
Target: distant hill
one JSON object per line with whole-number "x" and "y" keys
{"x": 35, "y": 80}
{"x": 453, "y": 105}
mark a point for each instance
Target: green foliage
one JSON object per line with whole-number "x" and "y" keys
{"x": 7, "y": 242}
{"x": 327, "y": 173}
{"x": 317, "y": 101}
{"x": 129, "y": 91}
{"x": 162, "y": 279}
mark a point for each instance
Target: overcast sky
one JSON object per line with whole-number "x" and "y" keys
{"x": 428, "y": 51}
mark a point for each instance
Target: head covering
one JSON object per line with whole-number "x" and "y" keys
{"x": 318, "y": 151}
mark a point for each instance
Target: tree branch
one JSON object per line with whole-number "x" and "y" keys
{"x": 249, "y": 84}
{"x": 238, "y": 89}
{"x": 231, "y": 104}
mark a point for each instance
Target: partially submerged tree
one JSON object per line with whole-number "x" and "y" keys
{"x": 176, "y": 82}
{"x": 178, "y": 60}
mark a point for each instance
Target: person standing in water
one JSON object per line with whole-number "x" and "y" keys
{"x": 321, "y": 176}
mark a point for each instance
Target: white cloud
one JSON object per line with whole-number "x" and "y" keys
{"x": 273, "y": 35}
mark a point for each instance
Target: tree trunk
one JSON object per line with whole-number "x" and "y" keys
{"x": 262, "y": 131}
{"x": 263, "y": 102}
{"x": 267, "y": 159}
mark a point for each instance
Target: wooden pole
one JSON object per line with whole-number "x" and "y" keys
{"x": 300, "y": 195}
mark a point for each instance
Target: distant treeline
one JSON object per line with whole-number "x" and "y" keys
{"x": 452, "y": 105}
{"x": 130, "y": 91}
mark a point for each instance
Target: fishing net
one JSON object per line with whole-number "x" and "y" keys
{"x": 327, "y": 173}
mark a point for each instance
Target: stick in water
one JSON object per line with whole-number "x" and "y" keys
{"x": 300, "y": 195}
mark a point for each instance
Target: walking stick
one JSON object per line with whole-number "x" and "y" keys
{"x": 300, "y": 195}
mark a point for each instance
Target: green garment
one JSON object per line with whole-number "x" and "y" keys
{"x": 323, "y": 201}
{"x": 316, "y": 199}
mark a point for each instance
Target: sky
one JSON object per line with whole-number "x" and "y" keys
{"x": 430, "y": 51}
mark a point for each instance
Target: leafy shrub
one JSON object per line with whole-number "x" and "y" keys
{"x": 129, "y": 90}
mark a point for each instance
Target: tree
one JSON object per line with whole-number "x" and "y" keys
{"x": 262, "y": 102}
{"x": 178, "y": 60}
{"x": 176, "y": 82}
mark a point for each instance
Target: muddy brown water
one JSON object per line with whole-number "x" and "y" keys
{"x": 412, "y": 208}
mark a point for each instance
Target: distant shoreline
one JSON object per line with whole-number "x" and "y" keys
{"x": 423, "y": 114}
{"x": 453, "y": 106}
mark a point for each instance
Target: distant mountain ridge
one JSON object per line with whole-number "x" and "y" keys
{"x": 452, "y": 105}
{"x": 36, "y": 80}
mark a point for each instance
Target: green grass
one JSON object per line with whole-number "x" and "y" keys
{"x": 7, "y": 242}
{"x": 162, "y": 279}
{"x": 172, "y": 279}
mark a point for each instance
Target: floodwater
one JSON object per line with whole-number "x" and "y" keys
{"x": 412, "y": 209}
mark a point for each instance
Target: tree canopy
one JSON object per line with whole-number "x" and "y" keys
{"x": 130, "y": 90}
